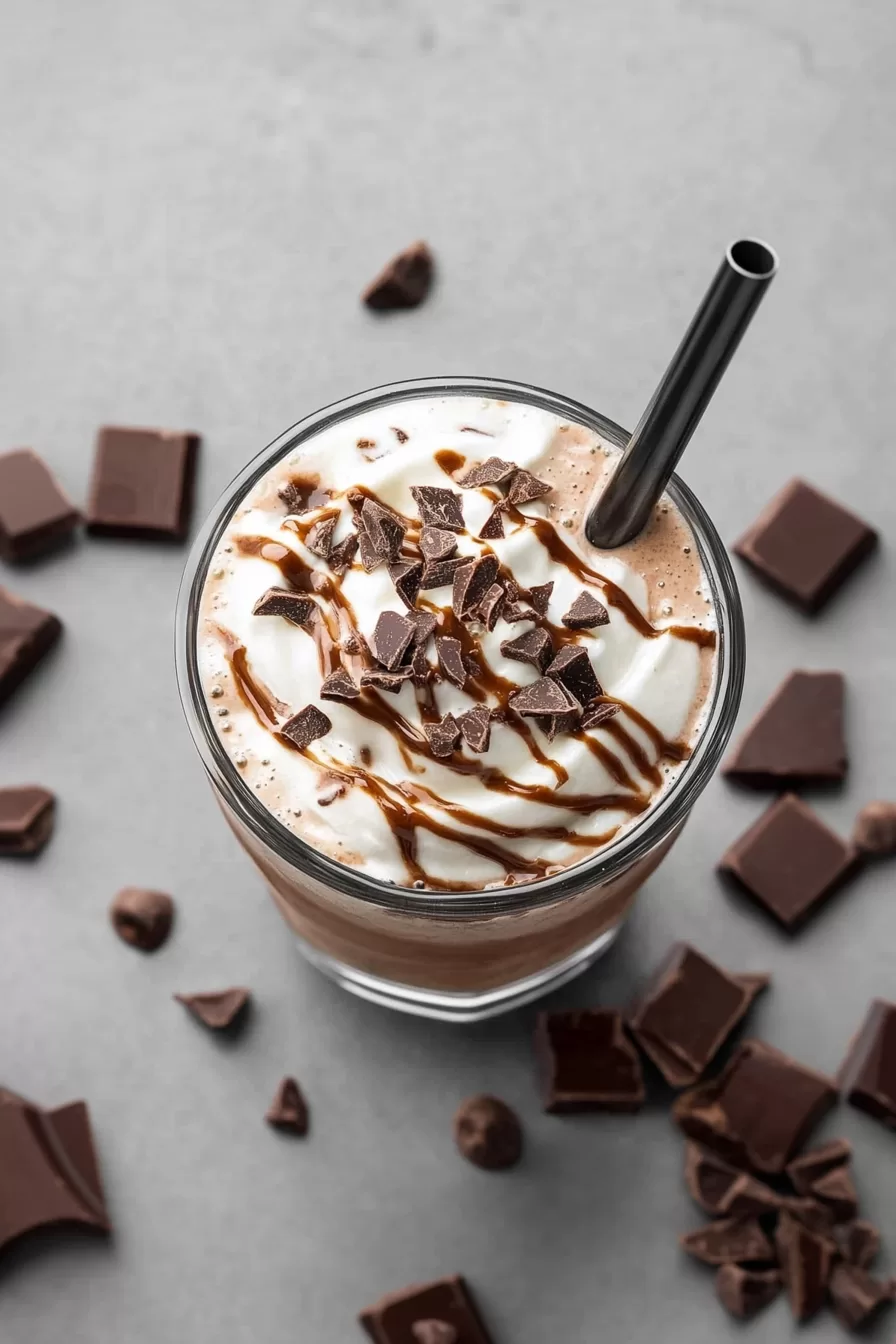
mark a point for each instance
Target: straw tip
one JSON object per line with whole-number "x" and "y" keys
{"x": 752, "y": 258}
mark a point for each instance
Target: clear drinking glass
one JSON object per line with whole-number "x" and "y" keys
{"x": 463, "y": 956}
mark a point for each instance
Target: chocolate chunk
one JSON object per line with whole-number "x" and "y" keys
{"x": 451, "y": 659}
{"x": 403, "y": 282}
{"x": 439, "y": 507}
{"x": 572, "y": 668}
{"x": 437, "y": 544}
{"x": 837, "y": 1191}
{"x": 540, "y": 595}
{"x": 342, "y": 554}
{"x": 598, "y": 714}
{"x": 875, "y": 829}
{"x": 142, "y": 484}
{"x": 587, "y": 1062}
{"x": 724, "y": 1191}
{"x": 491, "y": 606}
{"x": 523, "y": 487}
{"x": 320, "y": 539}
{"x": 142, "y": 918}
{"x": 585, "y": 613}
{"x": 306, "y": 727}
{"x": 858, "y": 1242}
{"x": 382, "y": 680}
{"x": 811, "y": 1213}
{"x": 488, "y": 1133}
{"x": 472, "y": 665}
{"x": 688, "y": 1010}
{"x": 35, "y": 514}
{"x": 303, "y": 494}
{"x": 518, "y": 611}
{"x": 289, "y": 1110}
{"x": 421, "y": 670}
{"x": 789, "y": 861}
{"x": 380, "y": 534}
{"x": 433, "y": 1332}
{"x": 355, "y": 644}
{"x": 542, "y": 697}
{"x": 868, "y": 1073}
{"x": 493, "y": 527}
{"x": 444, "y": 736}
{"x": 26, "y": 819}
{"x": 471, "y": 583}
{"x": 440, "y": 573}
{"x": 406, "y": 575}
{"x": 856, "y": 1297}
{"x": 744, "y": 1292}
{"x": 476, "y": 728}
{"x": 425, "y": 623}
{"x": 759, "y": 1110}
{"x": 391, "y": 638}
{"x": 533, "y": 647}
{"x": 220, "y": 1010}
{"x": 805, "y": 545}
{"x": 806, "y": 1260}
{"x": 797, "y": 737}
{"x": 294, "y": 607}
{"x": 493, "y": 471}
{"x": 339, "y": 686}
{"x": 26, "y": 634}
{"x": 393, "y": 1318}
{"x": 552, "y": 724}
{"x": 729, "y": 1241}
{"x": 810, "y": 1166}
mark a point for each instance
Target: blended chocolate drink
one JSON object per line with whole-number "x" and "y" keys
{"x": 435, "y": 701}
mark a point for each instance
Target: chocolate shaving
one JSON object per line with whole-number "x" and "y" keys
{"x": 476, "y": 727}
{"x": 451, "y": 661}
{"x": 490, "y": 608}
{"x": 493, "y": 527}
{"x": 320, "y": 539}
{"x": 586, "y": 613}
{"x": 444, "y": 736}
{"x": 525, "y": 487}
{"x": 406, "y": 575}
{"x": 533, "y": 647}
{"x": 437, "y": 544}
{"x": 399, "y": 434}
{"x": 598, "y": 714}
{"x": 339, "y": 686}
{"x": 439, "y": 507}
{"x": 382, "y": 680}
{"x": 471, "y": 583}
{"x": 292, "y": 606}
{"x": 288, "y": 1111}
{"x": 440, "y": 573}
{"x": 403, "y": 282}
{"x": 391, "y": 638}
{"x": 572, "y": 668}
{"x": 306, "y": 727}
{"x": 542, "y": 697}
{"x": 493, "y": 471}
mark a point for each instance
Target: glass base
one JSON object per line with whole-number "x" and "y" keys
{"x": 450, "y": 1006}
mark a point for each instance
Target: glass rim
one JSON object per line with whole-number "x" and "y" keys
{"x": 635, "y": 841}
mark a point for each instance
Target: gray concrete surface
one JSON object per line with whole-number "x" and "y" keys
{"x": 193, "y": 194}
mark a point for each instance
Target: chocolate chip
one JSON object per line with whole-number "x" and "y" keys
{"x": 441, "y": 572}
{"x": 437, "y": 544}
{"x": 439, "y": 507}
{"x": 342, "y": 554}
{"x": 221, "y": 1010}
{"x": 868, "y": 1073}
{"x": 489, "y": 609}
{"x": 391, "y": 638}
{"x": 394, "y": 1318}
{"x": 306, "y": 727}
{"x": 797, "y": 737}
{"x": 572, "y": 668}
{"x": 384, "y": 530}
{"x": 856, "y": 1297}
{"x": 383, "y": 680}
{"x": 493, "y": 527}
{"x": 729, "y": 1241}
{"x": 533, "y": 647}
{"x": 744, "y": 1292}
{"x": 26, "y": 819}
{"x": 406, "y": 575}
{"x": 288, "y": 1111}
{"x": 586, "y": 613}
{"x": 320, "y": 539}
{"x": 444, "y": 736}
{"x": 542, "y": 697}
{"x": 142, "y": 918}
{"x": 724, "y": 1191}
{"x": 836, "y": 1189}
{"x": 399, "y": 434}
{"x": 539, "y": 597}
{"x": 587, "y": 1062}
{"x": 810, "y": 1166}
{"x": 875, "y": 829}
{"x": 27, "y": 633}
{"x": 524, "y": 487}
{"x": 403, "y": 282}
{"x": 426, "y": 624}
{"x": 598, "y": 714}
{"x": 35, "y": 515}
{"x": 471, "y": 583}
{"x": 488, "y": 1133}
{"x": 806, "y": 1260}
{"x": 451, "y": 659}
{"x": 858, "y": 1242}
{"x": 142, "y": 484}
{"x": 493, "y": 471}
{"x": 476, "y": 728}
{"x": 339, "y": 686}
{"x": 292, "y": 606}
{"x": 433, "y": 1332}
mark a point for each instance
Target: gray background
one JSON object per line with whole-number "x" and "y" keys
{"x": 194, "y": 192}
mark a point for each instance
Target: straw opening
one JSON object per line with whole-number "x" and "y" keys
{"x": 753, "y": 258}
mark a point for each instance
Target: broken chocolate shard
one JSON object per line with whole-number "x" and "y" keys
{"x": 476, "y": 727}
{"x": 856, "y": 1297}
{"x": 426, "y": 623}
{"x": 729, "y": 1241}
{"x": 573, "y": 669}
{"x": 490, "y": 608}
{"x": 27, "y": 633}
{"x": 744, "y": 1292}
{"x": 339, "y": 686}
{"x": 433, "y": 1332}
{"x": 724, "y": 1191}
{"x": 26, "y": 819}
{"x": 320, "y": 539}
{"x": 35, "y": 515}
{"x": 836, "y": 1189}
{"x": 443, "y": 737}
{"x": 355, "y": 644}
{"x": 393, "y": 1319}
{"x": 875, "y": 829}
{"x": 542, "y": 697}
{"x": 381, "y": 679}
{"x": 220, "y": 1010}
{"x": 587, "y": 1062}
{"x": 524, "y": 487}
{"x": 406, "y": 576}
{"x": 687, "y": 1011}
{"x": 811, "y": 1213}
{"x": 539, "y": 597}
{"x": 288, "y": 1111}
{"x": 294, "y": 607}
{"x": 858, "y": 1242}
{"x": 488, "y": 1133}
{"x": 586, "y": 613}
{"x": 806, "y": 1260}
{"x": 437, "y": 544}
{"x": 421, "y": 670}
{"x": 400, "y": 435}
{"x": 306, "y": 727}
{"x": 805, "y": 545}
{"x": 868, "y": 1073}
{"x": 379, "y": 530}
{"x": 518, "y": 611}
{"x": 810, "y": 1166}
{"x": 595, "y": 715}
{"x": 404, "y": 282}
{"x": 451, "y": 659}
{"x": 789, "y": 861}
{"x": 142, "y": 484}
{"x": 471, "y": 583}
{"x": 797, "y": 737}
{"x": 439, "y": 507}
{"x": 493, "y": 471}
{"x": 440, "y": 573}
{"x": 391, "y": 638}
{"x": 142, "y": 918}
{"x": 533, "y": 647}
{"x": 493, "y": 527}
{"x": 343, "y": 553}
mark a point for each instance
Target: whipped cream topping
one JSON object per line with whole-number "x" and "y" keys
{"x": 370, "y": 792}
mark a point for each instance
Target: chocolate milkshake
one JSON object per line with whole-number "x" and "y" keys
{"x": 443, "y": 722}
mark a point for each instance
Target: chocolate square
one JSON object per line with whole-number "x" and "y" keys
{"x": 35, "y": 514}
{"x": 797, "y": 737}
{"x": 26, "y": 819}
{"x": 27, "y": 633}
{"x": 868, "y": 1074}
{"x": 391, "y": 1320}
{"x": 587, "y": 1062}
{"x": 142, "y": 483}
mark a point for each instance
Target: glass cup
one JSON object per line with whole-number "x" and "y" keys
{"x": 470, "y": 955}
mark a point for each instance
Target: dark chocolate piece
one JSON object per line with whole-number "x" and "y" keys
{"x": 426, "y": 624}
{"x": 289, "y": 1110}
{"x": 587, "y": 1062}
{"x": 552, "y": 724}
{"x": 404, "y": 282}
{"x": 491, "y": 606}
{"x": 586, "y": 613}
{"x": 805, "y": 545}
{"x": 837, "y": 1191}
{"x": 320, "y": 539}
{"x": 35, "y": 514}
{"x": 406, "y": 575}
{"x": 724, "y": 1191}
{"x": 797, "y": 737}
{"x": 142, "y": 484}
{"x": 437, "y": 544}
{"x": 856, "y": 1297}
{"x": 493, "y": 527}
{"x": 383, "y": 680}
{"x": 338, "y": 686}
{"x": 595, "y": 715}
{"x": 384, "y": 531}
{"x": 440, "y": 573}
{"x": 572, "y": 668}
{"x": 303, "y": 494}
{"x": 294, "y": 607}
{"x": 543, "y": 697}
{"x": 488, "y": 1133}
{"x": 27, "y": 633}
{"x": 476, "y": 728}
{"x": 811, "y": 1213}
{"x": 524, "y": 487}
{"x": 451, "y": 659}
{"x": 729, "y": 1241}
{"x": 533, "y": 647}
{"x": 355, "y": 643}
{"x": 789, "y": 861}
{"x": 306, "y": 727}
{"x": 393, "y": 1318}
{"x": 810, "y": 1166}
{"x": 219, "y": 1010}
{"x": 806, "y": 1260}
{"x": 759, "y": 1110}
{"x": 493, "y": 471}
{"x": 391, "y": 638}
{"x": 518, "y": 611}
{"x": 433, "y": 1332}
{"x": 858, "y": 1242}
{"x": 540, "y": 595}
{"x": 26, "y": 819}
{"x": 444, "y": 736}
{"x": 868, "y": 1073}
{"x": 687, "y": 1011}
{"x": 343, "y": 553}
{"x": 439, "y": 507}
{"x": 472, "y": 581}
{"x": 421, "y": 670}
{"x": 875, "y": 829}
{"x": 142, "y": 918}
{"x": 744, "y": 1292}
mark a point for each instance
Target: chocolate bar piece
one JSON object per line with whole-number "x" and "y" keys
{"x": 868, "y": 1074}
{"x": 449, "y": 1301}
{"x": 806, "y": 1260}
{"x": 587, "y": 1062}
{"x": 724, "y": 1191}
{"x": 856, "y": 1297}
{"x": 744, "y": 1292}
{"x": 796, "y": 738}
{"x": 810, "y": 1166}
{"x": 35, "y": 514}
{"x": 729, "y": 1241}
{"x": 26, "y": 819}
{"x": 26, "y": 634}
{"x": 142, "y": 484}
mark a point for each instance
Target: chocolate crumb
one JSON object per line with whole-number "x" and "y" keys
{"x": 426, "y": 623}
{"x": 540, "y": 595}
{"x": 744, "y": 1292}
{"x": 27, "y": 815}
{"x": 399, "y": 434}
{"x": 383, "y": 532}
